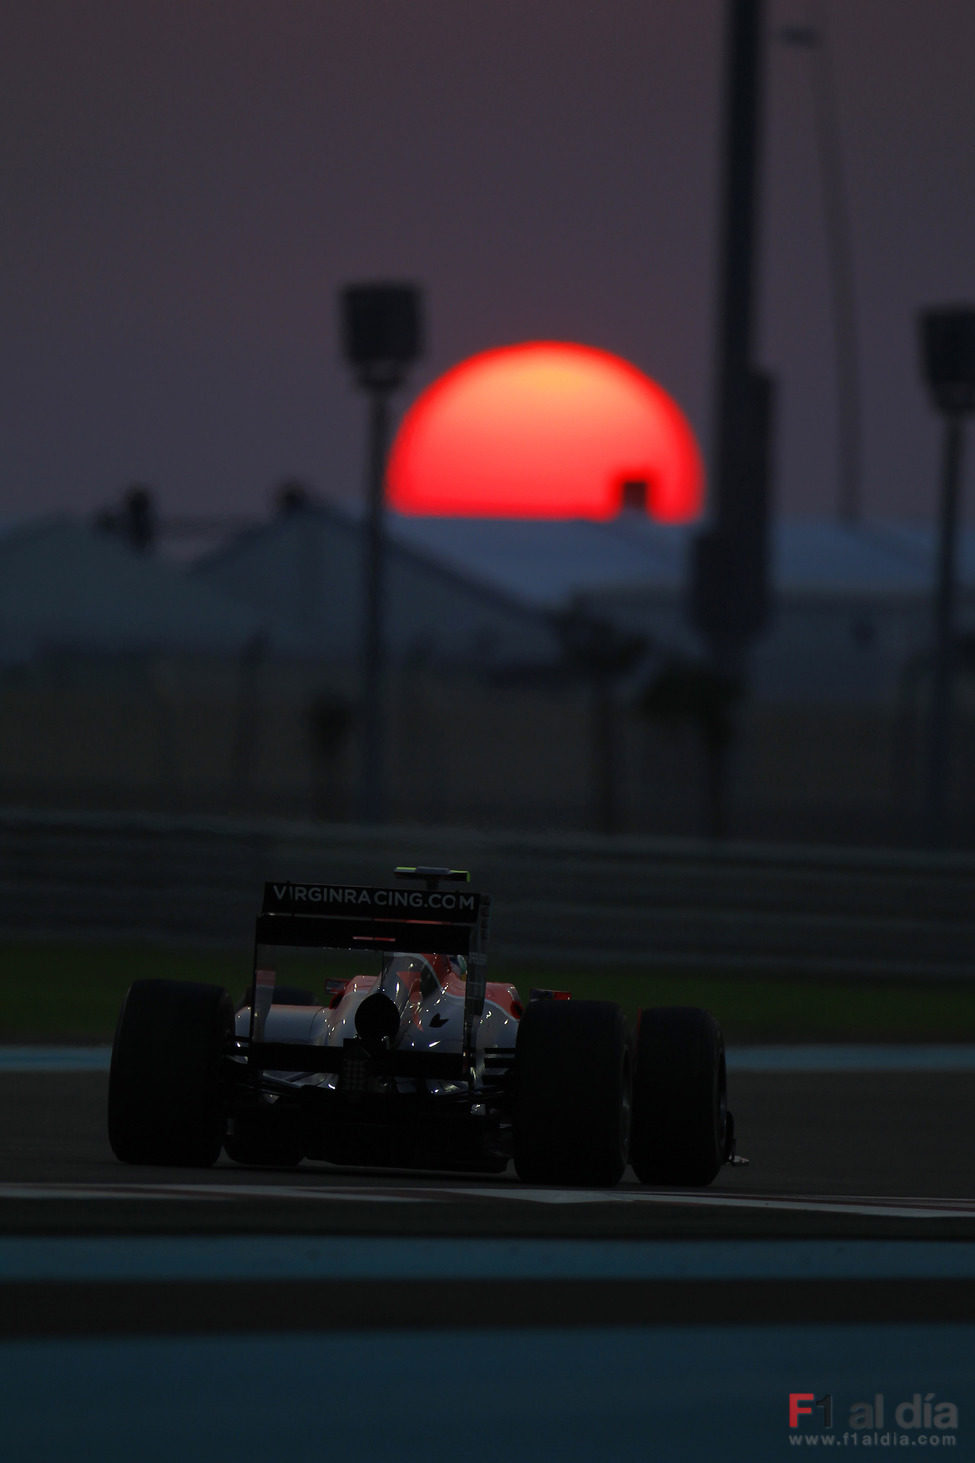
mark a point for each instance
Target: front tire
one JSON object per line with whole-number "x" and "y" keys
{"x": 680, "y": 1097}
{"x": 164, "y": 1095}
{"x": 572, "y": 1093}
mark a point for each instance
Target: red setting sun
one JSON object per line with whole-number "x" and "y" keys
{"x": 545, "y": 430}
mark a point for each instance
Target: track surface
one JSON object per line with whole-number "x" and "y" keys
{"x": 713, "y": 1308}
{"x": 818, "y": 1145}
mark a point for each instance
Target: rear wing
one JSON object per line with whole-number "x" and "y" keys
{"x": 358, "y": 917}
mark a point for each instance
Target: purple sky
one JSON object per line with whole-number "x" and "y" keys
{"x": 187, "y": 184}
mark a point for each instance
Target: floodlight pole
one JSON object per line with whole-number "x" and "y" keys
{"x": 381, "y": 329}
{"x": 729, "y": 568}
{"x": 372, "y": 794}
{"x": 948, "y": 364}
{"x": 942, "y": 681}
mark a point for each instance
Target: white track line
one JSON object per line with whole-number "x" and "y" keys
{"x": 941, "y": 1057}
{"x": 893, "y": 1207}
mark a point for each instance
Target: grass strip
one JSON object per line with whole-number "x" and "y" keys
{"x": 72, "y": 993}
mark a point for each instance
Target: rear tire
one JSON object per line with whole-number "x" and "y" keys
{"x": 680, "y": 1097}
{"x": 164, "y": 1095}
{"x": 572, "y": 1093}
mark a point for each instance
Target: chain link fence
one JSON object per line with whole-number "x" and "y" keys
{"x": 654, "y": 903}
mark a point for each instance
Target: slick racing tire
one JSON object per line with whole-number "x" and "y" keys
{"x": 680, "y": 1098}
{"x": 572, "y": 1082}
{"x": 164, "y": 1095}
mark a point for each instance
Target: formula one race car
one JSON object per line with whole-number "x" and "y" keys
{"x": 413, "y": 1058}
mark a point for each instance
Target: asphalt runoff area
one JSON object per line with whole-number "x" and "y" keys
{"x": 818, "y": 1144}
{"x": 213, "y": 1313}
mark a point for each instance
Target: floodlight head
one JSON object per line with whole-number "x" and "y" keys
{"x": 381, "y": 331}
{"x": 948, "y": 357}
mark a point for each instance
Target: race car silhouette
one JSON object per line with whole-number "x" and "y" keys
{"x": 410, "y": 1056}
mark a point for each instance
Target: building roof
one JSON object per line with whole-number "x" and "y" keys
{"x": 851, "y": 605}
{"x": 308, "y": 565}
{"x": 548, "y": 562}
{"x": 472, "y": 592}
{"x": 64, "y": 586}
